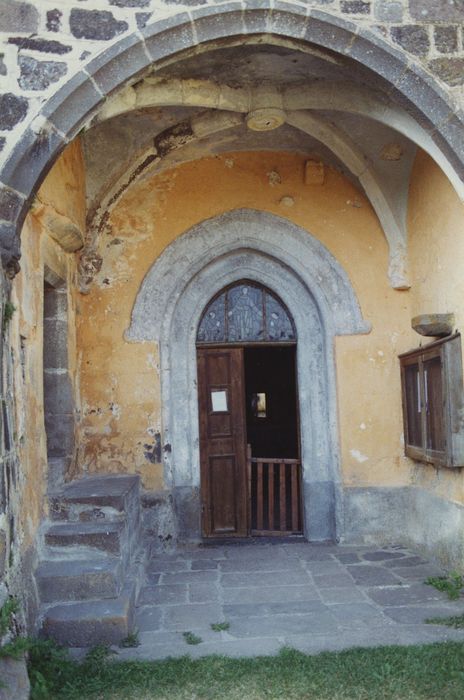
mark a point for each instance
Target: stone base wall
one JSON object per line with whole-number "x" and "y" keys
{"x": 409, "y": 516}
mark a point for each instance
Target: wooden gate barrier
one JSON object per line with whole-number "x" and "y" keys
{"x": 274, "y": 494}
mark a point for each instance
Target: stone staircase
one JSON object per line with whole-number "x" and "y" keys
{"x": 90, "y": 562}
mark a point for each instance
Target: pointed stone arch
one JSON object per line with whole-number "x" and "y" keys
{"x": 77, "y": 101}
{"x": 286, "y": 259}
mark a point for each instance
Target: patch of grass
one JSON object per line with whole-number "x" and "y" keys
{"x": 430, "y": 672}
{"x": 456, "y": 621}
{"x": 192, "y": 638}
{"x": 16, "y": 648}
{"x": 51, "y": 670}
{"x": 452, "y": 584}
{"x": 220, "y": 626}
{"x": 132, "y": 640}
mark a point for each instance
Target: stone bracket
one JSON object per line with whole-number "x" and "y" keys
{"x": 64, "y": 231}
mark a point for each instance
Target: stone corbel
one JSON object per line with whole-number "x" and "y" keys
{"x": 398, "y": 266}
{"x": 59, "y": 227}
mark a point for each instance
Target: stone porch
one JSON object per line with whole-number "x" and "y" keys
{"x": 310, "y": 597}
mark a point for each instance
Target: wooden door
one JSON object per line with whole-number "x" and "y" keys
{"x": 223, "y": 470}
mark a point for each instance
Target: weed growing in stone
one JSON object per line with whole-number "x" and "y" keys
{"x": 452, "y": 584}
{"x": 132, "y": 640}
{"x": 456, "y": 621}
{"x": 8, "y": 311}
{"x": 220, "y": 626}
{"x": 192, "y": 638}
{"x": 8, "y": 609}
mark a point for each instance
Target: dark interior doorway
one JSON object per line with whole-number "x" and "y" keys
{"x": 273, "y": 439}
{"x": 271, "y": 401}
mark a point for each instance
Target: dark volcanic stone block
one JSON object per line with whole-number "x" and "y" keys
{"x": 355, "y": 7}
{"x": 58, "y": 391}
{"x": 91, "y": 622}
{"x": 31, "y": 157}
{"x": 9, "y": 243}
{"x": 118, "y": 63}
{"x": 54, "y": 20}
{"x": 388, "y": 10}
{"x": 44, "y": 45}
{"x": 170, "y": 41}
{"x": 446, "y": 39}
{"x": 382, "y": 555}
{"x": 407, "y": 595}
{"x": 95, "y": 24}
{"x": 372, "y": 51}
{"x": 142, "y": 19}
{"x": 18, "y": 16}
{"x": 118, "y": 492}
{"x": 106, "y": 536}
{"x": 373, "y": 576}
{"x": 130, "y": 3}
{"x": 60, "y": 434}
{"x": 412, "y": 37}
{"x": 10, "y": 204}
{"x": 440, "y": 10}
{"x": 452, "y": 131}
{"x": 39, "y": 75}
{"x": 336, "y": 34}
{"x": 13, "y": 109}
{"x": 451, "y": 70}
{"x": 419, "y": 94}
{"x": 75, "y": 579}
{"x": 70, "y": 106}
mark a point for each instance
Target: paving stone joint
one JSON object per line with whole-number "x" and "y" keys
{"x": 310, "y": 597}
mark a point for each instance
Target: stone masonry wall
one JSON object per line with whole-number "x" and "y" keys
{"x": 44, "y": 43}
{"x": 14, "y": 570}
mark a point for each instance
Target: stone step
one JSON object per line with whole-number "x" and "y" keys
{"x": 97, "y": 498}
{"x": 103, "y": 535}
{"x": 91, "y": 622}
{"x": 66, "y": 580}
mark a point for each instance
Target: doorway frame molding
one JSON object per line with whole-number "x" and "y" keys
{"x": 274, "y": 252}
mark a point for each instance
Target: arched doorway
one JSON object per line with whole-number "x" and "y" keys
{"x": 250, "y": 468}
{"x": 202, "y": 262}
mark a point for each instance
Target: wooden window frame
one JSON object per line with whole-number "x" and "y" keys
{"x": 448, "y": 408}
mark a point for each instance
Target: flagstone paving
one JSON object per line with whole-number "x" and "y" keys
{"x": 310, "y": 597}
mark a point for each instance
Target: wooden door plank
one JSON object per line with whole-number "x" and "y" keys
{"x": 270, "y": 494}
{"x": 283, "y": 504}
{"x": 223, "y": 458}
{"x": 259, "y": 492}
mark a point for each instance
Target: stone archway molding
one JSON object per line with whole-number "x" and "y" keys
{"x": 245, "y": 229}
{"x": 78, "y": 100}
{"x": 289, "y": 261}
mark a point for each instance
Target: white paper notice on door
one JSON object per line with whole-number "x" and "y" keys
{"x": 219, "y": 401}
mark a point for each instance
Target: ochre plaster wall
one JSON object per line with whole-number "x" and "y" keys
{"x": 436, "y": 244}
{"x": 64, "y": 187}
{"x": 119, "y": 381}
{"x": 64, "y": 190}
